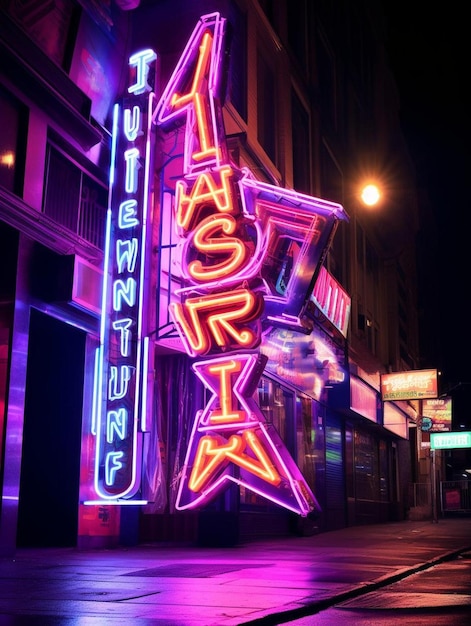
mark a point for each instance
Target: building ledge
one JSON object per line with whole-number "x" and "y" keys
{"x": 41, "y": 228}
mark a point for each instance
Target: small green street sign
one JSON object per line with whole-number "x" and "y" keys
{"x": 440, "y": 441}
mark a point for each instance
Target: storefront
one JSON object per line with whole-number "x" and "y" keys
{"x": 46, "y": 338}
{"x": 204, "y": 371}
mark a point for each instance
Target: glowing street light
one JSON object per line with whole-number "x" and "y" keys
{"x": 370, "y": 194}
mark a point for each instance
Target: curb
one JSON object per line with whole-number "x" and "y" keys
{"x": 311, "y": 608}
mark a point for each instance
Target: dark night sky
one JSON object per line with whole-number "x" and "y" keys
{"x": 429, "y": 55}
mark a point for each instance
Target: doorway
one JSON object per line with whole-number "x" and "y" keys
{"x": 50, "y": 466}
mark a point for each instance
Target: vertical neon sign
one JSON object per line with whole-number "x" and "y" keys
{"x": 250, "y": 255}
{"x": 123, "y": 356}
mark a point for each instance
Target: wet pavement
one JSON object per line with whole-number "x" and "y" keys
{"x": 265, "y": 582}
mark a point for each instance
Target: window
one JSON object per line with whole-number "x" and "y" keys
{"x": 277, "y": 405}
{"x": 266, "y": 107}
{"x": 310, "y": 440}
{"x": 372, "y": 261}
{"x": 12, "y": 143}
{"x": 337, "y": 255}
{"x": 366, "y": 467}
{"x": 51, "y": 25}
{"x": 237, "y": 88}
{"x": 331, "y": 177}
{"x": 300, "y": 139}
{"x": 268, "y": 7}
{"x": 360, "y": 245}
{"x": 383, "y": 471}
{"x": 74, "y": 199}
{"x": 297, "y": 20}
{"x": 327, "y": 85}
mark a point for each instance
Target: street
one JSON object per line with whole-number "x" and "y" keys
{"x": 352, "y": 575}
{"x": 438, "y": 595}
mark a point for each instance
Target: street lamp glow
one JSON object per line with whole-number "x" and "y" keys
{"x": 370, "y": 195}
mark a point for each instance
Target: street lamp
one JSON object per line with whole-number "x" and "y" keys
{"x": 370, "y": 194}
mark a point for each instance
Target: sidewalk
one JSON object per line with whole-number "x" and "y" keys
{"x": 267, "y": 582}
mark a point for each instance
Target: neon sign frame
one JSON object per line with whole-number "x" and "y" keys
{"x": 234, "y": 228}
{"x": 123, "y": 358}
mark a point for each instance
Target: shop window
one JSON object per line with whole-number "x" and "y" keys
{"x": 349, "y": 463}
{"x": 383, "y": 472}
{"x": 277, "y": 405}
{"x": 309, "y": 440}
{"x": 266, "y": 107}
{"x": 74, "y": 199}
{"x": 334, "y": 473}
{"x": 300, "y": 140}
{"x": 366, "y": 467}
{"x": 180, "y": 394}
{"x": 12, "y": 143}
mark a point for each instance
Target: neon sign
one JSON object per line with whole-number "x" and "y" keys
{"x": 121, "y": 395}
{"x": 251, "y": 252}
{"x": 437, "y": 414}
{"x": 447, "y": 441}
{"x": 250, "y": 255}
{"x": 332, "y": 301}
{"x": 412, "y": 385}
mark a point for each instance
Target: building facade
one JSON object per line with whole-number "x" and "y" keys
{"x": 304, "y": 111}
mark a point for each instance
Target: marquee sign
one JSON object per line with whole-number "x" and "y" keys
{"x": 121, "y": 394}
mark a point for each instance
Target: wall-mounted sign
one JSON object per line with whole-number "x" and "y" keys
{"x": 331, "y": 302}
{"x": 122, "y": 390}
{"x": 249, "y": 252}
{"x": 436, "y": 415}
{"x": 363, "y": 399}
{"x": 411, "y": 385}
{"x": 447, "y": 441}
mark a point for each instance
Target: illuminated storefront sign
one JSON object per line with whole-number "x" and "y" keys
{"x": 332, "y": 301}
{"x": 436, "y": 415}
{"x": 363, "y": 399}
{"x": 412, "y": 385}
{"x": 121, "y": 395}
{"x": 250, "y": 253}
{"x": 447, "y": 441}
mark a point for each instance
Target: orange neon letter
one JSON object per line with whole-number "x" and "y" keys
{"x": 235, "y": 249}
{"x": 219, "y": 316}
{"x": 225, "y": 414}
{"x": 197, "y": 97}
{"x": 214, "y": 452}
{"x": 206, "y": 190}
